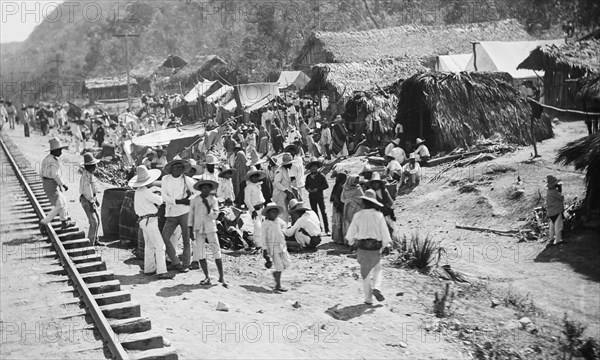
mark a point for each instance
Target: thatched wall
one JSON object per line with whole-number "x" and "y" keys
{"x": 588, "y": 88}
{"x": 453, "y": 110}
{"x": 584, "y": 154}
{"x": 381, "y": 104}
{"x": 198, "y": 69}
{"x": 583, "y": 56}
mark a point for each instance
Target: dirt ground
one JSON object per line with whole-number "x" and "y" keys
{"x": 332, "y": 322}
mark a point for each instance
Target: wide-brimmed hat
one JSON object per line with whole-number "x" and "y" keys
{"x": 420, "y": 141}
{"x": 395, "y": 141}
{"x": 371, "y": 196}
{"x": 376, "y": 178}
{"x": 186, "y": 165}
{"x": 412, "y": 157}
{"x": 366, "y": 169}
{"x": 150, "y": 151}
{"x": 293, "y": 203}
{"x": 254, "y": 158}
{"x": 553, "y": 181}
{"x": 201, "y": 182}
{"x": 211, "y": 160}
{"x": 314, "y": 161}
{"x": 299, "y": 207}
{"x": 286, "y": 159}
{"x": 226, "y": 170}
{"x": 55, "y": 144}
{"x": 144, "y": 176}
{"x": 159, "y": 148}
{"x": 271, "y": 206}
{"x": 253, "y": 171}
{"x": 294, "y": 147}
{"x": 89, "y": 159}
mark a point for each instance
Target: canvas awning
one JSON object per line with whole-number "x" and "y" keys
{"x": 230, "y": 106}
{"x": 455, "y": 63}
{"x": 292, "y": 79}
{"x": 164, "y": 137}
{"x": 203, "y": 87}
{"x": 254, "y": 96}
{"x": 222, "y": 91}
{"x": 505, "y": 56}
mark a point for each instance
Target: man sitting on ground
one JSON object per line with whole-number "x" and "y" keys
{"x": 412, "y": 171}
{"x": 305, "y": 231}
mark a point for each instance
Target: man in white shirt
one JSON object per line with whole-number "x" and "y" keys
{"x": 394, "y": 143}
{"x": 267, "y": 115}
{"x": 254, "y": 200}
{"x": 369, "y": 233}
{"x": 422, "y": 153}
{"x": 297, "y": 171}
{"x": 161, "y": 158}
{"x": 326, "y": 140}
{"x": 393, "y": 170}
{"x": 412, "y": 171}
{"x": 225, "y": 188}
{"x": 176, "y": 192}
{"x": 306, "y": 229}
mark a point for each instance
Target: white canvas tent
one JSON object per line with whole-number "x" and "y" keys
{"x": 505, "y": 56}
{"x": 221, "y": 92}
{"x": 454, "y": 63}
{"x": 164, "y": 137}
{"x": 200, "y": 89}
{"x": 254, "y": 96}
{"x": 292, "y": 79}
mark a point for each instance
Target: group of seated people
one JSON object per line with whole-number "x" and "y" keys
{"x": 406, "y": 171}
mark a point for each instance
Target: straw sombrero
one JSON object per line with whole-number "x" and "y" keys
{"x": 366, "y": 169}
{"x": 371, "y": 196}
{"x": 186, "y": 165}
{"x": 376, "y": 178}
{"x": 271, "y": 206}
{"x": 253, "y": 171}
{"x": 314, "y": 161}
{"x": 226, "y": 170}
{"x": 286, "y": 159}
{"x": 420, "y": 141}
{"x": 254, "y": 158}
{"x": 144, "y": 177}
{"x": 292, "y": 147}
{"x": 211, "y": 160}
{"x": 300, "y": 206}
{"x": 89, "y": 159}
{"x": 201, "y": 182}
{"x": 55, "y": 144}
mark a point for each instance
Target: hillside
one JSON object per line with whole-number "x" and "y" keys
{"x": 256, "y": 39}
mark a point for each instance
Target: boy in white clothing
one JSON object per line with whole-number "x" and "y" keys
{"x": 275, "y": 247}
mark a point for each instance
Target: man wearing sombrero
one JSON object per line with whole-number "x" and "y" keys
{"x": 267, "y": 182}
{"x": 254, "y": 200}
{"x": 275, "y": 248}
{"x": 422, "y": 153}
{"x": 176, "y": 192}
{"x": 225, "y": 188}
{"x": 555, "y": 205}
{"x": 369, "y": 234}
{"x": 209, "y": 173}
{"x": 88, "y": 190}
{"x": 54, "y": 185}
{"x": 145, "y": 204}
{"x": 149, "y": 160}
{"x": 282, "y": 185}
{"x": 297, "y": 170}
{"x": 316, "y": 183}
{"x": 204, "y": 210}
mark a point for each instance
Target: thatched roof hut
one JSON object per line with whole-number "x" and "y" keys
{"x": 584, "y": 154}
{"x": 451, "y": 110}
{"x": 421, "y": 41}
{"x": 561, "y": 64}
{"x": 343, "y": 79}
{"x": 108, "y": 88}
{"x": 199, "y": 68}
{"x": 588, "y": 88}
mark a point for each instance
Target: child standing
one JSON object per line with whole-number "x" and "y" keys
{"x": 204, "y": 210}
{"x": 225, "y": 190}
{"x": 88, "y": 190}
{"x": 555, "y": 205}
{"x": 145, "y": 204}
{"x": 315, "y": 184}
{"x": 274, "y": 240}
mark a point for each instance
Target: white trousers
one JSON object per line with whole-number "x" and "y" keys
{"x": 200, "y": 246}
{"x": 371, "y": 282}
{"x": 555, "y": 230}
{"x": 154, "y": 250}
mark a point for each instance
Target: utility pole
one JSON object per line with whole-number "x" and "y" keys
{"x": 58, "y": 61}
{"x": 127, "y": 36}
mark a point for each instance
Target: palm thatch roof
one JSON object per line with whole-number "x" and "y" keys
{"x": 583, "y": 56}
{"x": 381, "y": 104}
{"x": 197, "y": 68}
{"x": 584, "y": 154}
{"x": 147, "y": 68}
{"x": 422, "y": 41}
{"x": 347, "y": 78}
{"x": 588, "y": 88}
{"x": 459, "y": 108}
{"x": 107, "y": 82}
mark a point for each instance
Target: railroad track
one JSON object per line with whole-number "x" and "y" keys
{"x": 75, "y": 288}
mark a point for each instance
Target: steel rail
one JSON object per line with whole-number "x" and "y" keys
{"x": 100, "y": 320}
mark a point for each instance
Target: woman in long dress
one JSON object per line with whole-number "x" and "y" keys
{"x": 263, "y": 141}
{"x": 240, "y": 164}
{"x": 352, "y": 203}
{"x": 338, "y": 136}
{"x": 337, "y": 219}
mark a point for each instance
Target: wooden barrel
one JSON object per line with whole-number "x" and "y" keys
{"x": 128, "y": 226}
{"x": 110, "y": 212}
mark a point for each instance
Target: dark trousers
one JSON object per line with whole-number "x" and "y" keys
{"x": 171, "y": 224}
{"x": 317, "y": 202}
{"x": 26, "y": 129}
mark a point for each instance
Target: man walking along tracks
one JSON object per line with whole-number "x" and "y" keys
{"x": 53, "y": 184}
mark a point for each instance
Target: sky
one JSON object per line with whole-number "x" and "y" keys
{"x": 18, "y": 18}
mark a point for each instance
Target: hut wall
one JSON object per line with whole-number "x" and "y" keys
{"x": 559, "y": 92}
{"x": 108, "y": 93}
{"x": 314, "y": 55}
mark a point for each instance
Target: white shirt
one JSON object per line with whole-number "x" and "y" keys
{"x": 210, "y": 176}
{"x": 202, "y": 220}
{"x": 297, "y": 170}
{"x": 368, "y": 224}
{"x": 309, "y": 221}
{"x": 161, "y": 162}
{"x": 422, "y": 150}
{"x": 398, "y": 154}
{"x": 225, "y": 189}
{"x": 392, "y": 167}
{"x": 272, "y": 235}
{"x": 88, "y": 186}
{"x": 51, "y": 169}
{"x": 253, "y": 195}
{"x": 146, "y": 202}
{"x": 267, "y": 115}
{"x": 176, "y": 189}
{"x": 325, "y": 137}
{"x": 389, "y": 148}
